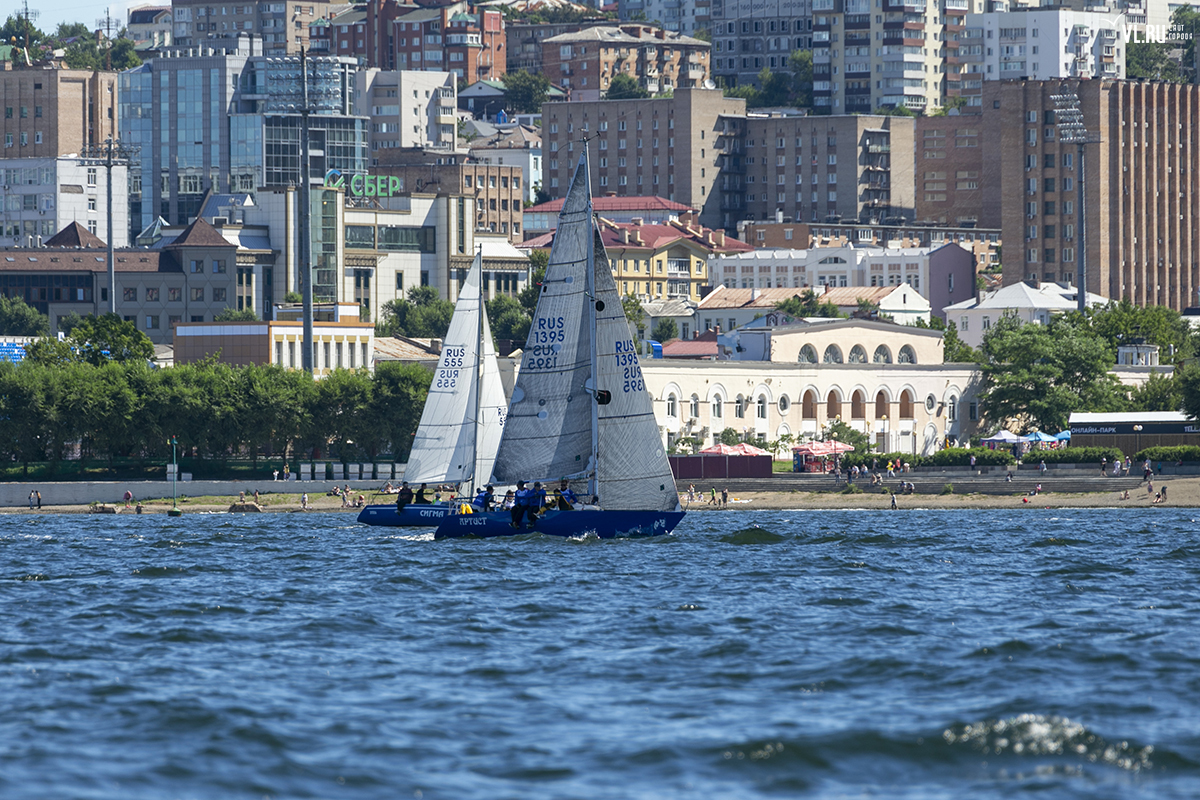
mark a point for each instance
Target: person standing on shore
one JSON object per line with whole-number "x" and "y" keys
{"x": 725, "y": 498}
{"x": 31, "y": 499}
{"x": 304, "y": 501}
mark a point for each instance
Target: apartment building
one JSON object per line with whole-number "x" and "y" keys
{"x": 41, "y": 196}
{"x": 948, "y": 156}
{"x": 543, "y": 217}
{"x": 520, "y": 146}
{"x": 943, "y": 275}
{"x": 672, "y": 15}
{"x": 1042, "y": 44}
{"x": 902, "y": 53}
{"x": 51, "y": 112}
{"x": 408, "y": 108}
{"x": 583, "y": 63}
{"x": 359, "y": 30}
{"x": 668, "y": 146}
{"x": 282, "y": 27}
{"x": 816, "y": 168}
{"x": 468, "y": 44}
{"x": 749, "y": 36}
{"x": 1143, "y": 205}
{"x": 984, "y": 243}
{"x": 150, "y": 26}
{"x": 524, "y": 41}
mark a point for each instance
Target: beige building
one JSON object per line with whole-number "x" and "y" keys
{"x": 819, "y": 169}
{"x": 665, "y": 146}
{"x": 51, "y": 112}
{"x": 344, "y": 344}
{"x": 583, "y": 63}
{"x": 1143, "y": 202}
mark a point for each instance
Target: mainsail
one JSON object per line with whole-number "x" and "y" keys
{"x": 548, "y": 433}
{"x": 464, "y": 414}
{"x": 579, "y": 345}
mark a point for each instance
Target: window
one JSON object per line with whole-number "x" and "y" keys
{"x": 152, "y": 323}
{"x": 833, "y": 355}
{"x": 174, "y": 295}
{"x": 152, "y": 295}
{"x": 130, "y": 295}
{"x": 716, "y": 412}
{"x": 197, "y": 265}
{"x": 761, "y": 411}
{"x": 198, "y": 294}
{"x": 219, "y": 295}
{"x": 808, "y": 355}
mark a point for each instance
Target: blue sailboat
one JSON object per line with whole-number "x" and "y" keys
{"x": 460, "y": 426}
{"x": 580, "y": 410}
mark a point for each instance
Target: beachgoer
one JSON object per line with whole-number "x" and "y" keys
{"x": 724, "y": 498}
{"x": 1008, "y": 477}
{"x": 1164, "y": 494}
{"x": 691, "y": 492}
{"x": 304, "y": 501}
{"x": 275, "y": 475}
{"x": 1149, "y": 487}
{"x": 891, "y": 469}
{"x": 387, "y": 488}
{"x": 128, "y": 497}
{"x": 242, "y": 496}
{"x": 286, "y": 472}
{"x": 256, "y": 496}
{"x": 1103, "y": 466}
{"x": 893, "y": 502}
{"x": 31, "y": 500}
{"x": 1124, "y": 496}
{"x": 404, "y": 497}
{"x": 972, "y": 461}
{"x": 713, "y": 497}
{"x": 39, "y": 499}
{"x": 1042, "y": 468}
{"x": 420, "y": 499}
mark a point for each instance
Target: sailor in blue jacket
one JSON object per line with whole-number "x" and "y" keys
{"x": 485, "y": 498}
{"x": 537, "y": 501}
{"x": 566, "y": 497}
{"x": 520, "y": 503}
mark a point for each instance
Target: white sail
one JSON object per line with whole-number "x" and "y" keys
{"x": 460, "y": 426}
{"x": 548, "y": 432}
{"x": 633, "y": 472}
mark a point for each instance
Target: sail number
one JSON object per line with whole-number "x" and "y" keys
{"x": 627, "y": 360}
{"x": 452, "y": 362}
{"x": 548, "y": 332}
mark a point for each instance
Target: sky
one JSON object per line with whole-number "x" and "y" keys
{"x": 52, "y": 13}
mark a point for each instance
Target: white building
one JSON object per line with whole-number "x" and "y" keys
{"x": 1042, "y": 44}
{"x": 520, "y": 146}
{"x": 41, "y": 196}
{"x": 150, "y": 25}
{"x": 407, "y": 108}
{"x": 901, "y": 407}
{"x": 1036, "y": 304}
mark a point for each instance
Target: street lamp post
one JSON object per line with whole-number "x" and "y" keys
{"x": 1071, "y": 130}
{"x": 174, "y": 512}
{"x": 1138, "y": 430}
{"x": 112, "y": 153}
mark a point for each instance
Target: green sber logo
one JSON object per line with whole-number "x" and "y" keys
{"x": 334, "y": 179}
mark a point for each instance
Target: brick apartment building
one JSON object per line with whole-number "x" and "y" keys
{"x": 663, "y": 146}
{"x": 949, "y": 161}
{"x": 50, "y": 112}
{"x": 282, "y": 27}
{"x": 1143, "y": 201}
{"x": 583, "y": 63}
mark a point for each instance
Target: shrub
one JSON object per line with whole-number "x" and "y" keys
{"x": 961, "y": 457}
{"x": 1169, "y": 454}
{"x": 852, "y": 489}
{"x": 864, "y": 459}
{"x": 1074, "y": 455}
{"x": 948, "y": 488}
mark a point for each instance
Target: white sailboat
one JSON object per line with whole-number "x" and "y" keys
{"x": 580, "y": 409}
{"x": 464, "y": 414}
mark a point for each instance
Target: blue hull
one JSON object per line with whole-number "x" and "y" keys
{"x": 604, "y": 524}
{"x": 411, "y": 517}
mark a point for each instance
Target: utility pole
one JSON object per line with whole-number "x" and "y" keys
{"x": 1068, "y": 118}
{"x": 27, "y": 15}
{"x": 108, "y": 155}
{"x": 108, "y": 24}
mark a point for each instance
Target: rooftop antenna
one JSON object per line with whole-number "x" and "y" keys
{"x": 27, "y": 15}
{"x": 108, "y": 24}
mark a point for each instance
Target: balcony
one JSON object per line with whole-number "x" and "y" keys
{"x": 679, "y": 268}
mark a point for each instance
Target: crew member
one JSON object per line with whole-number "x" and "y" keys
{"x": 405, "y": 497}
{"x": 485, "y": 498}
{"x": 566, "y": 498}
{"x": 421, "y": 499}
{"x": 520, "y": 504}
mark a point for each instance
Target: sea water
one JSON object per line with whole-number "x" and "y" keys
{"x": 910, "y": 654}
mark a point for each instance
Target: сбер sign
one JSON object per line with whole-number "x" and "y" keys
{"x": 365, "y": 185}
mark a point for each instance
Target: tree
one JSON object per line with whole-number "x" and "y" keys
{"x": 665, "y": 330}
{"x": 729, "y": 436}
{"x": 20, "y": 319}
{"x": 841, "y": 432}
{"x": 1122, "y": 322}
{"x": 866, "y": 308}
{"x": 508, "y": 318}
{"x": 17, "y": 29}
{"x": 801, "y": 64}
{"x": 1034, "y": 376}
{"x": 625, "y": 87}
{"x": 1189, "y": 389}
{"x": 635, "y": 315}
{"x": 99, "y": 340}
{"x": 423, "y": 315}
{"x": 538, "y": 261}
{"x": 807, "y": 304}
{"x": 900, "y": 111}
{"x": 954, "y": 349}
{"x": 231, "y": 314}
{"x": 84, "y": 54}
{"x": 68, "y": 30}
{"x": 1158, "y": 393}
{"x": 525, "y": 93}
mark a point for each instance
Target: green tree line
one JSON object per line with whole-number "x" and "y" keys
{"x": 116, "y": 409}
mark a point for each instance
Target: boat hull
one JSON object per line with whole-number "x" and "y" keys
{"x": 413, "y": 516}
{"x": 604, "y": 524}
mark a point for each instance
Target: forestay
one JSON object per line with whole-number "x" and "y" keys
{"x": 464, "y": 413}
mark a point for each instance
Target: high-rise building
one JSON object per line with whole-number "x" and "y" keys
{"x": 816, "y": 168}
{"x": 690, "y": 17}
{"x": 408, "y": 108}
{"x": 749, "y": 36}
{"x": 469, "y": 44}
{"x": 666, "y": 146}
{"x": 1143, "y": 203}
{"x": 281, "y": 27}
{"x": 228, "y": 120}
{"x": 585, "y": 62}
{"x": 1042, "y": 44}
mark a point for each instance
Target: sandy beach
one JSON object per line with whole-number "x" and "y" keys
{"x": 1182, "y": 492}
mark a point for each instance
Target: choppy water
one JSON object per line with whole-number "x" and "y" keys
{"x": 913, "y": 654}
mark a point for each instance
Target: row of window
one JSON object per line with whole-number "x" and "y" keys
{"x": 833, "y": 406}
{"x": 175, "y": 295}
{"x": 858, "y": 355}
{"x": 337, "y": 355}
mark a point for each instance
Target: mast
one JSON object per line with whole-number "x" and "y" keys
{"x": 590, "y": 288}
{"x": 478, "y": 372}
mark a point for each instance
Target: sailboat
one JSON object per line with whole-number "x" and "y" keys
{"x": 460, "y": 426}
{"x": 580, "y": 409}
